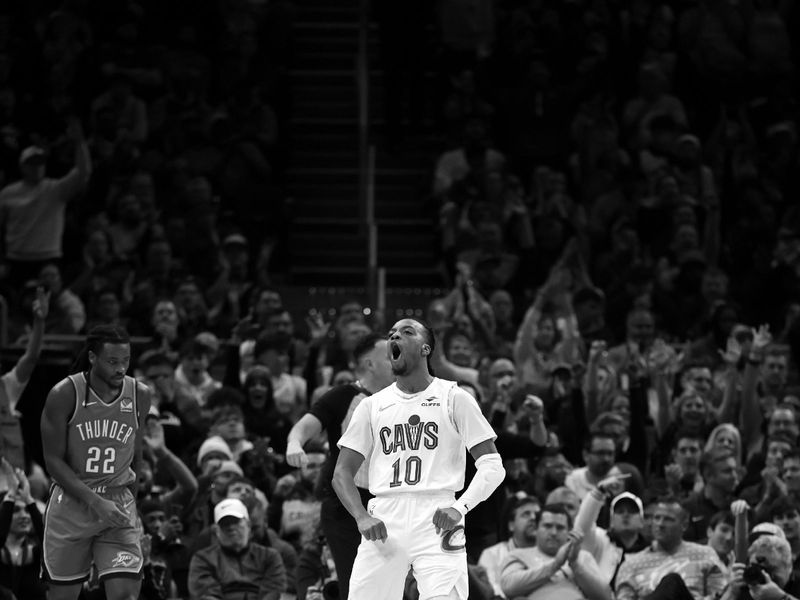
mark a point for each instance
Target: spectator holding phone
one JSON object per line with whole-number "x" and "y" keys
{"x": 768, "y": 574}
{"x": 21, "y": 531}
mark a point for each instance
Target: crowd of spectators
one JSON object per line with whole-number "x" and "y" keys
{"x": 618, "y": 220}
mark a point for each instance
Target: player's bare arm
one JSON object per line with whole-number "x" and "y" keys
{"x": 144, "y": 400}
{"x": 307, "y": 428}
{"x": 345, "y": 487}
{"x": 54, "y": 422}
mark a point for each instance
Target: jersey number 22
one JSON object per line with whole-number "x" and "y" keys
{"x": 93, "y": 461}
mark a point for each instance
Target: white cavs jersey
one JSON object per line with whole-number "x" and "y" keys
{"x": 415, "y": 442}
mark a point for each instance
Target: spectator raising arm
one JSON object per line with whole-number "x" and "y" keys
{"x": 751, "y": 417}
{"x": 27, "y": 362}
{"x": 186, "y": 483}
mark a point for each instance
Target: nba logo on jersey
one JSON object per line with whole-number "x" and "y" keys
{"x": 126, "y": 405}
{"x": 124, "y": 559}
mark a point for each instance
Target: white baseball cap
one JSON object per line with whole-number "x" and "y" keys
{"x": 230, "y": 507}
{"x": 628, "y": 496}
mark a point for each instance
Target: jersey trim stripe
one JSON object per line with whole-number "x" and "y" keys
{"x": 74, "y": 401}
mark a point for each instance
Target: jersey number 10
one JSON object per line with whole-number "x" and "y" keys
{"x": 109, "y": 457}
{"x": 413, "y": 471}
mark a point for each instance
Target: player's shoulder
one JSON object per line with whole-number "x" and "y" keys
{"x": 389, "y": 392}
{"x": 64, "y": 387}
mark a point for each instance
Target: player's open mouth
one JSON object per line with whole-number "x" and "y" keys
{"x": 395, "y": 349}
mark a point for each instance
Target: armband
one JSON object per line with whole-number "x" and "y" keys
{"x": 490, "y": 474}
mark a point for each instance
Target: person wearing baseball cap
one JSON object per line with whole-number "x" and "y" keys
{"x": 34, "y": 208}
{"x": 234, "y": 562}
{"x": 625, "y": 527}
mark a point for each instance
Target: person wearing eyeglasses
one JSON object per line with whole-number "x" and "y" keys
{"x": 599, "y": 456}
{"x": 521, "y": 518}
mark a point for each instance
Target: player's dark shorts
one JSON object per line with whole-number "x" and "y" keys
{"x": 74, "y": 539}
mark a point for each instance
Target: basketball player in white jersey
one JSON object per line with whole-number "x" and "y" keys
{"x": 414, "y": 433}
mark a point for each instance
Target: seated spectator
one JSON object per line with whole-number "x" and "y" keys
{"x": 455, "y": 164}
{"x": 235, "y": 568}
{"x": 521, "y": 516}
{"x": 599, "y": 455}
{"x": 288, "y": 391}
{"x": 785, "y": 513}
{"x": 169, "y": 557}
{"x": 772, "y": 556}
{"x": 21, "y": 531}
{"x": 182, "y": 417}
{"x": 256, "y": 503}
{"x": 128, "y": 228}
{"x": 228, "y": 423}
{"x": 67, "y": 313}
{"x": 720, "y": 538}
{"x": 720, "y": 471}
{"x": 192, "y": 375}
{"x": 556, "y": 567}
{"x": 671, "y": 568}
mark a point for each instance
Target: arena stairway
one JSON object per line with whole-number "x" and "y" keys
{"x": 327, "y": 240}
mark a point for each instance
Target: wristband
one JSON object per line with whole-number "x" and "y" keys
{"x": 462, "y": 508}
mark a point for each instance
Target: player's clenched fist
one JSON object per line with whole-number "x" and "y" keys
{"x": 445, "y": 519}
{"x": 371, "y": 528}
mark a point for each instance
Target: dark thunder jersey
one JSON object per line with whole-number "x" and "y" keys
{"x": 101, "y": 437}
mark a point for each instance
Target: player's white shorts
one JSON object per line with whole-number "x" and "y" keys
{"x": 439, "y": 562}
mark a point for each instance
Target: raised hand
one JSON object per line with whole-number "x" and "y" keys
{"x": 613, "y": 484}
{"x": 739, "y": 507}
{"x": 41, "y": 304}
{"x": 597, "y": 350}
{"x": 24, "y": 487}
{"x": 154, "y": 436}
{"x": 317, "y": 328}
{"x": 576, "y": 537}
{"x": 733, "y": 352}
{"x": 673, "y": 474}
{"x": 534, "y": 407}
{"x": 761, "y": 337}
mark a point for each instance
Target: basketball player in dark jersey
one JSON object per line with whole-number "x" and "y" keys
{"x": 91, "y": 437}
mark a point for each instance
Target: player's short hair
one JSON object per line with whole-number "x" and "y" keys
{"x": 722, "y": 516}
{"x": 366, "y": 345}
{"x": 556, "y": 509}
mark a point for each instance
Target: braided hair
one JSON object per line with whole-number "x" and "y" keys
{"x": 97, "y": 337}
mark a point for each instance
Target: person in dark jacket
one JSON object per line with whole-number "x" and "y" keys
{"x": 235, "y": 568}
{"x": 21, "y": 531}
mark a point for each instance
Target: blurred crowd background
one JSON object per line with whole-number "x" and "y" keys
{"x": 613, "y": 190}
